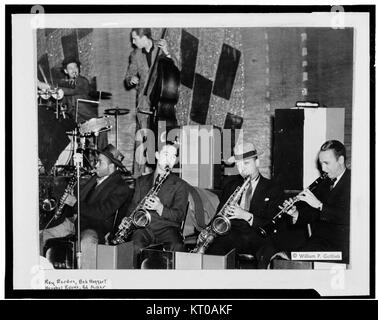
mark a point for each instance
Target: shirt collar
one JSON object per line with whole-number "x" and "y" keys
{"x": 151, "y": 49}
{"x": 338, "y": 178}
{"x": 101, "y": 180}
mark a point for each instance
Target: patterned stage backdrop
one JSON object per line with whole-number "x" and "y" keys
{"x": 212, "y": 75}
{"x": 210, "y": 60}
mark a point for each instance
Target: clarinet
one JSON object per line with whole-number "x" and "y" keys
{"x": 271, "y": 227}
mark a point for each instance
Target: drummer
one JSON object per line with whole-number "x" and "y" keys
{"x": 75, "y": 87}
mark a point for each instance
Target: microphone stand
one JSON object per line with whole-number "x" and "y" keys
{"x": 78, "y": 162}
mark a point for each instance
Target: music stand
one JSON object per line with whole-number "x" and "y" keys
{"x": 86, "y": 101}
{"x": 116, "y": 112}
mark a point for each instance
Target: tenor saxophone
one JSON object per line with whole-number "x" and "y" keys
{"x": 220, "y": 224}
{"x": 70, "y": 186}
{"x": 140, "y": 217}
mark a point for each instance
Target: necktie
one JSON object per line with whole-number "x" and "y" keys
{"x": 332, "y": 183}
{"x": 248, "y": 197}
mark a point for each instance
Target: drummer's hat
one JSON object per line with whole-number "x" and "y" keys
{"x": 114, "y": 155}
{"x": 70, "y": 59}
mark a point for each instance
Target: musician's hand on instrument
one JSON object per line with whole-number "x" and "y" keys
{"x": 287, "y": 204}
{"x": 294, "y": 213}
{"x": 154, "y": 203}
{"x": 236, "y": 212}
{"x": 307, "y": 196}
{"x": 163, "y": 45}
{"x": 134, "y": 80}
{"x": 70, "y": 200}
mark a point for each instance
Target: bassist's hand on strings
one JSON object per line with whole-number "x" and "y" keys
{"x": 163, "y": 45}
{"x": 134, "y": 80}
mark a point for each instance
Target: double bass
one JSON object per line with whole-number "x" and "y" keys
{"x": 161, "y": 90}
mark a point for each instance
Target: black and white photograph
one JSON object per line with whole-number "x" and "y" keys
{"x": 191, "y": 149}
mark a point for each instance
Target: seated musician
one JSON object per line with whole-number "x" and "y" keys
{"x": 167, "y": 208}
{"x": 100, "y": 199}
{"x": 258, "y": 204}
{"x": 327, "y": 209}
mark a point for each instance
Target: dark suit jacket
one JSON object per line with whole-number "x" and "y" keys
{"x": 86, "y": 111}
{"x": 99, "y": 205}
{"x": 331, "y": 225}
{"x": 173, "y": 195}
{"x": 264, "y": 203}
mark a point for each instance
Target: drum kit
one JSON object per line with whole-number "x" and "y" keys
{"x": 84, "y": 137}
{"x": 61, "y": 252}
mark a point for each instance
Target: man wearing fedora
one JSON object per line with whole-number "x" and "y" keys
{"x": 257, "y": 205}
{"x": 100, "y": 199}
{"x": 75, "y": 87}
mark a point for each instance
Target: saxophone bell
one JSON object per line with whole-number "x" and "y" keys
{"x": 221, "y": 225}
{"x": 49, "y": 204}
{"x": 141, "y": 218}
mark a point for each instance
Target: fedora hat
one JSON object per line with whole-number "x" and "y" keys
{"x": 70, "y": 59}
{"x": 244, "y": 150}
{"x": 114, "y": 155}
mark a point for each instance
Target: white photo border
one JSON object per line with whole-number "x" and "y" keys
{"x": 354, "y": 281}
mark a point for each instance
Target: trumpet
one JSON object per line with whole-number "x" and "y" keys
{"x": 69, "y": 83}
{"x": 221, "y": 224}
{"x": 56, "y": 93}
{"x": 271, "y": 227}
{"x": 140, "y": 217}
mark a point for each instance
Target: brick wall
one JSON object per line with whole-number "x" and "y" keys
{"x": 274, "y": 77}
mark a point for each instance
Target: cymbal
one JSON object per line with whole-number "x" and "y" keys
{"x": 100, "y": 95}
{"x": 72, "y": 133}
{"x": 116, "y": 111}
{"x": 145, "y": 112}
